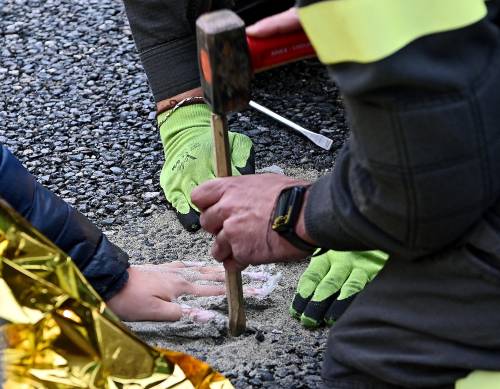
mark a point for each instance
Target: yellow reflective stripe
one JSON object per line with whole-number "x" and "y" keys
{"x": 479, "y": 379}
{"x": 370, "y": 30}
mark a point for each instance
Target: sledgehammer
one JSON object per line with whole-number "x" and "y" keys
{"x": 225, "y": 77}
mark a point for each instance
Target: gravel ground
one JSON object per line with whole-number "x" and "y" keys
{"x": 75, "y": 108}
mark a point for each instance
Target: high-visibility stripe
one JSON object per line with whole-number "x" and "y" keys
{"x": 370, "y": 30}
{"x": 479, "y": 379}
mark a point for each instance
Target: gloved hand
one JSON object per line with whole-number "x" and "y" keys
{"x": 188, "y": 146}
{"x": 330, "y": 283}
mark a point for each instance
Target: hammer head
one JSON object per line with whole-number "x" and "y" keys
{"x": 224, "y": 61}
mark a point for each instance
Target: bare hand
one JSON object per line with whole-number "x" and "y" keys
{"x": 281, "y": 23}
{"x": 151, "y": 289}
{"x": 238, "y": 210}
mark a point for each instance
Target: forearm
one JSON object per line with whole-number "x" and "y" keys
{"x": 164, "y": 33}
{"x": 100, "y": 261}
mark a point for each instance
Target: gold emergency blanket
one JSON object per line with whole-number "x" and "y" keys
{"x": 60, "y": 333}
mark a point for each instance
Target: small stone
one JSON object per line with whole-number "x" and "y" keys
{"x": 266, "y": 376}
{"x": 111, "y": 207}
{"x": 259, "y": 336}
{"x": 70, "y": 200}
{"x": 272, "y": 169}
{"x": 108, "y": 221}
{"x": 116, "y": 170}
{"x": 150, "y": 195}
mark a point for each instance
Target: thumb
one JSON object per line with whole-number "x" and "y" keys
{"x": 186, "y": 212}
{"x": 242, "y": 154}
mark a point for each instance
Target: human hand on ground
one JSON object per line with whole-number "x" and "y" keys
{"x": 330, "y": 283}
{"x": 151, "y": 291}
{"x": 186, "y": 136}
{"x": 282, "y": 23}
{"x": 238, "y": 210}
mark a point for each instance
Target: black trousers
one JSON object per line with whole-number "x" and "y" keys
{"x": 426, "y": 322}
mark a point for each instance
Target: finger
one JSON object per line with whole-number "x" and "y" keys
{"x": 198, "y": 266}
{"x": 192, "y": 275}
{"x": 211, "y": 269}
{"x": 312, "y": 276}
{"x": 207, "y": 290}
{"x": 212, "y": 219}
{"x": 221, "y": 248}
{"x": 186, "y": 214}
{"x": 156, "y": 309}
{"x": 176, "y": 267}
{"x": 242, "y": 154}
{"x": 219, "y": 276}
{"x": 231, "y": 265}
{"x": 333, "y": 281}
{"x": 352, "y": 286}
{"x": 169, "y": 267}
{"x": 273, "y": 25}
{"x": 325, "y": 294}
{"x": 177, "y": 198}
{"x": 337, "y": 309}
{"x": 314, "y": 314}
{"x": 199, "y": 315}
{"x": 355, "y": 283}
{"x": 212, "y": 273}
{"x": 180, "y": 265}
{"x": 193, "y": 271}
{"x": 208, "y": 193}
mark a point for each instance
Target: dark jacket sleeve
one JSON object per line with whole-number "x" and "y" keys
{"x": 423, "y": 160}
{"x": 103, "y": 264}
{"x": 165, "y": 36}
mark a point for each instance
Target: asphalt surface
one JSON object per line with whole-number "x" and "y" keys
{"x": 76, "y": 109}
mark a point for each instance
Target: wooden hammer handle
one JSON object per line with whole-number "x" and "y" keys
{"x": 234, "y": 288}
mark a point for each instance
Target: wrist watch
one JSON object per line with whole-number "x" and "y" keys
{"x": 286, "y": 215}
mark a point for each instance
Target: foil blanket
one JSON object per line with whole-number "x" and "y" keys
{"x": 60, "y": 334}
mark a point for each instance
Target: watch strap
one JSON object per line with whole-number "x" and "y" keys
{"x": 297, "y": 241}
{"x": 286, "y": 214}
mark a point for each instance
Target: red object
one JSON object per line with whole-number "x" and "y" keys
{"x": 278, "y": 50}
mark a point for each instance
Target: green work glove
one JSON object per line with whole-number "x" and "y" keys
{"x": 330, "y": 283}
{"x": 188, "y": 147}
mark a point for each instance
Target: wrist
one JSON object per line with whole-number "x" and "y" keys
{"x": 288, "y": 217}
{"x": 187, "y": 120}
{"x": 300, "y": 227}
{"x": 171, "y": 102}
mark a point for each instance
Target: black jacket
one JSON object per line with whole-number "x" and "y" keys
{"x": 422, "y": 163}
